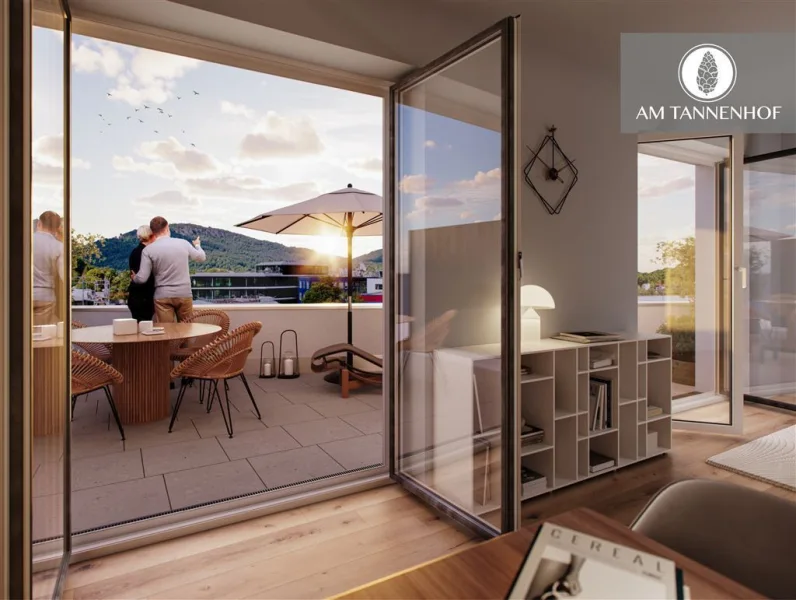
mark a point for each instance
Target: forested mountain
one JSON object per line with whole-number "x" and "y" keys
{"x": 226, "y": 250}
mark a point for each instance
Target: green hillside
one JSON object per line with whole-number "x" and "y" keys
{"x": 226, "y": 250}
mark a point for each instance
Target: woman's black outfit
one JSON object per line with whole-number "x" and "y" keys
{"x": 140, "y": 296}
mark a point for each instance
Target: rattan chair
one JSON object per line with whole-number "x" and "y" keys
{"x": 221, "y": 360}
{"x": 89, "y": 374}
{"x": 182, "y": 349}
{"x": 100, "y": 351}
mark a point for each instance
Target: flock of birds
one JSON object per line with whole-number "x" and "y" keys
{"x": 157, "y": 112}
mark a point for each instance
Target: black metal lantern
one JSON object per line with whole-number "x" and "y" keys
{"x": 268, "y": 365}
{"x": 288, "y": 360}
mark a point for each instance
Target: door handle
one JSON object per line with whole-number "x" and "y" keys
{"x": 742, "y": 271}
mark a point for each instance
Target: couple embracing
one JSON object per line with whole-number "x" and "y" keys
{"x": 160, "y": 277}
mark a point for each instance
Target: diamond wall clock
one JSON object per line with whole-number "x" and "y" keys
{"x": 551, "y": 162}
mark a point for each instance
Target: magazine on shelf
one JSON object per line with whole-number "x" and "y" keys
{"x": 587, "y": 337}
{"x": 599, "y": 462}
{"x": 563, "y": 563}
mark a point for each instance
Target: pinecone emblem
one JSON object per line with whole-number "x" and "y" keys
{"x": 708, "y": 74}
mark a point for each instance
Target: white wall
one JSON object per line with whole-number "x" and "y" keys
{"x": 317, "y": 326}
{"x": 652, "y": 315}
{"x": 586, "y": 256}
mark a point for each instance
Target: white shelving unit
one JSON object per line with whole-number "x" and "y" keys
{"x": 555, "y": 397}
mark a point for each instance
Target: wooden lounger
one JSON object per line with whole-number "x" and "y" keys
{"x": 366, "y": 368}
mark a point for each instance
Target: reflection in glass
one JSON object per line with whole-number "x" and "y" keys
{"x": 50, "y": 303}
{"x": 448, "y": 260}
{"x": 770, "y": 244}
{"x": 684, "y": 264}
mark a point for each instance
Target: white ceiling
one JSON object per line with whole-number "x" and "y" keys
{"x": 382, "y": 38}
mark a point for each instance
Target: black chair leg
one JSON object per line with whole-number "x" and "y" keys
{"x": 227, "y": 423}
{"x": 201, "y": 391}
{"x": 74, "y": 401}
{"x": 229, "y": 412}
{"x": 251, "y": 397}
{"x": 114, "y": 411}
{"x": 177, "y": 404}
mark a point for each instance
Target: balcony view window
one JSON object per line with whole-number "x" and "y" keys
{"x": 206, "y": 146}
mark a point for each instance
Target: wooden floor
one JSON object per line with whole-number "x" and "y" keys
{"x": 318, "y": 551}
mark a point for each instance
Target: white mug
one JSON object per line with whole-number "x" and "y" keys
{"x": 60, "y": 329}
{"x": 49, "y": 330}
{"x": 144, "y": 326}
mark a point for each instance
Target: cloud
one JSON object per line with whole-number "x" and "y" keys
{"x": 170, "y": 199}
{"x": 91, "y": 57}
{"x": 48, "y": 150}
{"x": 185, "y": 160}
{"x": 229, "y": 108}
{"x": 248, "y": 187}
{"x": 482, "y": 179}
{"x": 665, "y": 188}
{"x": 130, "y": 165}
{"x": 151, "y": 77}
{"x": 414, "y": 184}
{"x": 368, "y": 164}
{"x": 430, "y": 202}
{"x": 277, "y": 137}
{"x": 430, "y": 144}
{"x": 466, "y": 215}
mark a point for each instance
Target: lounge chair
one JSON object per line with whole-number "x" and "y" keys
{"x": 367, "y": 368}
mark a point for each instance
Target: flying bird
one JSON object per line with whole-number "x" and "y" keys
{"x": 140, "y": 121}
{"x": 128, "y": 118}
{"x": 160, "y": 110}
{"x": 194, "y": 145}
{"x": 195, "y": 93}
{"x": 179, "y": 97}
{"x": 137, "y": 109}
{"x": 109, "y": 94}
{"x": 170, "y": 116}
{"x": 183, "y": 131}
{"x": 145, "y": 106}
{"x": 156, "y": 131}
{"x": 101, "y": 117}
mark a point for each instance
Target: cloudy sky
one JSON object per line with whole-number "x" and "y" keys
{"x": 247, "y": 143}
{"x": 145, "y": 143}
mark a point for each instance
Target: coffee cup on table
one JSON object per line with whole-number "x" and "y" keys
{"x": 144, "y": 326}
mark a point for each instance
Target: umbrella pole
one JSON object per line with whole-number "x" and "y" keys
{"x": 350, "y": 235}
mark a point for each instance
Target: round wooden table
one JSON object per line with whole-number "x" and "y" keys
{"x": 49, "y": 386}
{"x": 143, "y": 361}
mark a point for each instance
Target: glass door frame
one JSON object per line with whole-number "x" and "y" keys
{"x": 752, "y": 398}
{"x": 736, "y": 371}
{"x": 507, "y": 31}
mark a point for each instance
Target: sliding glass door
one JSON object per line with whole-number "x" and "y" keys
{"x": 452, "y": 240}
{"x": 692, "y": 275}
{"x": 770, "y": 244}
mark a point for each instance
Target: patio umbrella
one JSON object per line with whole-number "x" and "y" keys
{"x": 353, "y": 211}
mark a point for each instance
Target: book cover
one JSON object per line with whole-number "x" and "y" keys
{"x": 563, "y": 563}
{"x": 607, "y": 417}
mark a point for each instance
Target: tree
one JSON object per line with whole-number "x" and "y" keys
{"x": 679, "y": 259}
{"x": 86, "y": 250}
{"x": 324, "y": 290}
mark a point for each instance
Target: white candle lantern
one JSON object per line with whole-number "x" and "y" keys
{"x": 267, "y": 364}
{"x": 288, "y": 359}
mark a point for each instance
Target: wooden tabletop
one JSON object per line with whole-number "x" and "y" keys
{"x": 174, "y": 331}
{"x": 487, "y": 570}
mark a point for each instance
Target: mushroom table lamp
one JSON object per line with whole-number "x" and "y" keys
{"x": 533, "y": 298}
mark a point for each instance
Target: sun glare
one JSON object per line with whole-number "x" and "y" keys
{"x": 330, "y": 245}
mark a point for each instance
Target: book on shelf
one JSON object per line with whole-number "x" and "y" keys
{"x": 525, "y": 370}
{"x": 532, "y": 482}
{"x": 600, "y": 403}
{"x": 653, "y": 411}
{"x": 587, "y": 337}
{"x": 599, "y": 363}
{"x": 653, "y": 355}
{"x": 599, "y": 462}
{"x": 562, "y": 559}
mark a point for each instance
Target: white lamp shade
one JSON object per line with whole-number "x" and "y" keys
{"x": 534, "y": 296}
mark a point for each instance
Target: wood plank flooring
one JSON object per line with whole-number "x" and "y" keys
{"x": 327, "y": 548}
